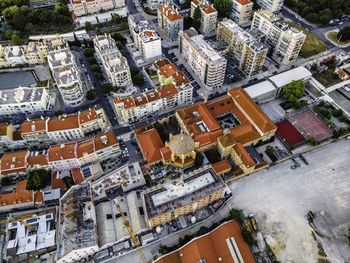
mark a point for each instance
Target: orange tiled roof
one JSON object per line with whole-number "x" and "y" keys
{"x": 104, "y": 140}
{"x": 77, "y": 176}
{"x": 21, "y": 186}
{"x": 150, "y": 144}
{"x": 166, "y": 153}
{"x": 161, "y": 62}
{"x": 62, "y": 152}
{"x": 37, "y": 160}
{"x": 16, "y": 197}
{"x": 38, "y": 197}
{"x": 56, "y": 182}
{"x": 85, "y": 147}
{"x": 211, "y": 247}
{"x": 63, "y": 123}
{"x": 12, "y": 162}
{"x": 152, "y": 96}
{"x": 222, "y": 166}
{"x": 170, "y": 12}
{"x": 38, "y": 125}
{"x": 247, "y": 160}
{"x": 208, "y": 9}
{"x": 243, "y": 2}
{"x": 167, "y": 91}
{"x": 87, "y": 116}
{"x": 167, "y": 70}
{"x": 3, "y": 128}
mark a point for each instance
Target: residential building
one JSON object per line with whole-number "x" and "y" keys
{"x": 65, "y": 72}
{"x": 15, "y": 55}
{"x": 147, "y": 41}
{"x": 191, "y": 192}
{"x": 170, "y": 21}
{"x": 77, "y": 230}
{"x": 209, "y": 65}
{"x": 242, "y": 11}
{"x": 175, "y": 89}
{"x": 247, "y": 52}
{"x": 272, "y": 5}
{"x": 24, "y": 100}
{"x": 284, "y": 40}
{"x": 10, "y": 138}
{"x": 225, "y": 243}
{"x": 114, "y": 64}
{"x": 86, "y": 7}
{"x": 209, "y": 16}
{"x": 14, "y": 163}
{"x": 22, "y": 242}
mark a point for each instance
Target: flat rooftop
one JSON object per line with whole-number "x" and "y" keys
{"x": 9, "y": 80}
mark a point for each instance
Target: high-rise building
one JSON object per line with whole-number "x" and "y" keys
{"x": 208, "y": 64}
{"x": 114, "y": 64}
{"x": 170, "y": 21}
{"x": 272, "y": 5}
{"x": 284, "y": 40}
{"x": 242, "y": 11}
{"x": 209, "y": 16}
{"x": 248, "y": 53}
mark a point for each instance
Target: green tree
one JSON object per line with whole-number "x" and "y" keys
{"x": 95, "y": 68}
{"x": 224, "y": 7}
{"x": 138, "y": 79}
{"x": 197, "y": 16}
{"x": 248, "y": 237}
{"x": 15, "y": 39}
{"x": 293, "y": 91}
{"x": 344, "y": 33}
{"x": 188, "y": 22}
{"x": 88, "y": 26}
{"x": 88, "y": 52}
{"x": 8, "y": 34}
{"x": 91, "y": 95}
{"x": 107, "y": 88}
{"x": 38, "y": 179}
{"x": 238, "y": 215}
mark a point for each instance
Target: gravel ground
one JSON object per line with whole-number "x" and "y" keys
{"x": 281, "y": 198}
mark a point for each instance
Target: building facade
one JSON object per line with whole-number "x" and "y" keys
{"x": 248, "y": 53}
{"x": 242, "y": 11}
{"x": 86, "y": 7}
{"x": 114, "y": 64}
{"x": 209, "y": 16}
{"x": 170, "y": 21}
{"x": 272, "y": 5}
{"x": 284, "y": 40}
{"x": 209, "y": 65}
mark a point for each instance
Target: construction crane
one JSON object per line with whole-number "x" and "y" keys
{"x": 20, "y": 219}
{"x": 135, "y": 240}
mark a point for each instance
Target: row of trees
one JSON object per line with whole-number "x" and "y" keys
{"x": 344, "y": 33}
{"x": 320, "y": 11}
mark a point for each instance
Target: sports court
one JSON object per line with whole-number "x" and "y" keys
{"x": 289, "y": 135}
{"x": 310, "y": 126}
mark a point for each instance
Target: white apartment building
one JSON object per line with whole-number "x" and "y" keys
{"x": 146, "y": 40}
{"x": 209, "y": 16}
{"x": 170, "y": 21}
{"x": 284, "y": 40}
{"x": 15, "y": 55}
{"x": 114, "y": 64}
{"x": 272, "y": 5}
{"x": 209, "y": 65}
{"x": 248, "y": 53}
{"x": 65, "y": 72}
{"x": 242, "y": 11}
{"x": 24, "y": 100}
{"x": 85, "y": 7}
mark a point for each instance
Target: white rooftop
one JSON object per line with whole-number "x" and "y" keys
{"x": 282, "y": 79}
{"x": 260, "y": 88}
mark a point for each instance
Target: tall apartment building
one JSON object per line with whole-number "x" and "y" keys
{"x": 65, "y": 72}
{"x": 208, "y": 64}
{"x": 284, "y": 40}
{"x": 242, "y": 11}
{"x": 114, "y": 64}
{"x": 248, "y": 53}
{"x": 272, "y": 5}
{"x": 209, "y": 16}
{"x": 85, "y": 7}
{"x": 146, "y": 40}
{"x": 170, "y": 21}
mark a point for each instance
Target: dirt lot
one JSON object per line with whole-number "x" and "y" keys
{"x": 281, "y": 198}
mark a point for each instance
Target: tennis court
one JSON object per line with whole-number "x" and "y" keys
{"x": 310, "y": 126}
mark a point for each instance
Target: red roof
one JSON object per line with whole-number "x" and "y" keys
{"x": 150, "y": 144}
{"x": 289, "y": 134}
{"x": 222, "y": 166}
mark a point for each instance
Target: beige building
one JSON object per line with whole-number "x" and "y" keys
{"x": 284, "y": 40}
{"x": 170, "y": 21}
{"x": 248, "y": 53}
{"x": 272, "y": 5}
{"x": 114, "y": 64}
{"x": 209, "y": 16}
{"x": 85, "y": 7}
{"x": 208, "y": 64}
{"x": 184, "y": 196}
{"x": 242, "y": 11}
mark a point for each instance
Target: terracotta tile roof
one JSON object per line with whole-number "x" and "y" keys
{"x": 21, "y": 186}
{"x": 140, "y": 100}
{"x": 15, "y": 198}
{"x": 161, "y": 62}
{"x": 167, "y": 70}
{"x": 180, "y": 78}
{"x": 166, "y": 153}
{"x": 129, "y": 103}
{"x": 208, "y": 9}
{"x": 245, "y": 133}
{"x": 247, "y": 160}
{"x": 77, "y": 176}
{"x": 150, "y": 144}
{"x": 37, "y": 160}
{"x": 38, "y": 197}
{"x": 252, "y": 110}
{"x": 63, "y": 123}
{"x": 152, "y": 96}
{"x": 85, "y": 147}
{"x": 170, "y": 12}
{"x": 207, "y": 138}
{"x": 87, "y": 116}
{"x": 211, "y": 247}
{"x": 222, "y": 166}
{"x": 243, "y": 2}
{"x": 104, "y": 140}
{"x": 56, "y": 182}
{"x": 170, "y": 70}
{"x": 3, "y": 128}
{"x": 167, "y": 91}
{"x": 37, "y": 125}
{"x": 62, "y": 152}
{"x": 12, "y": 162}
